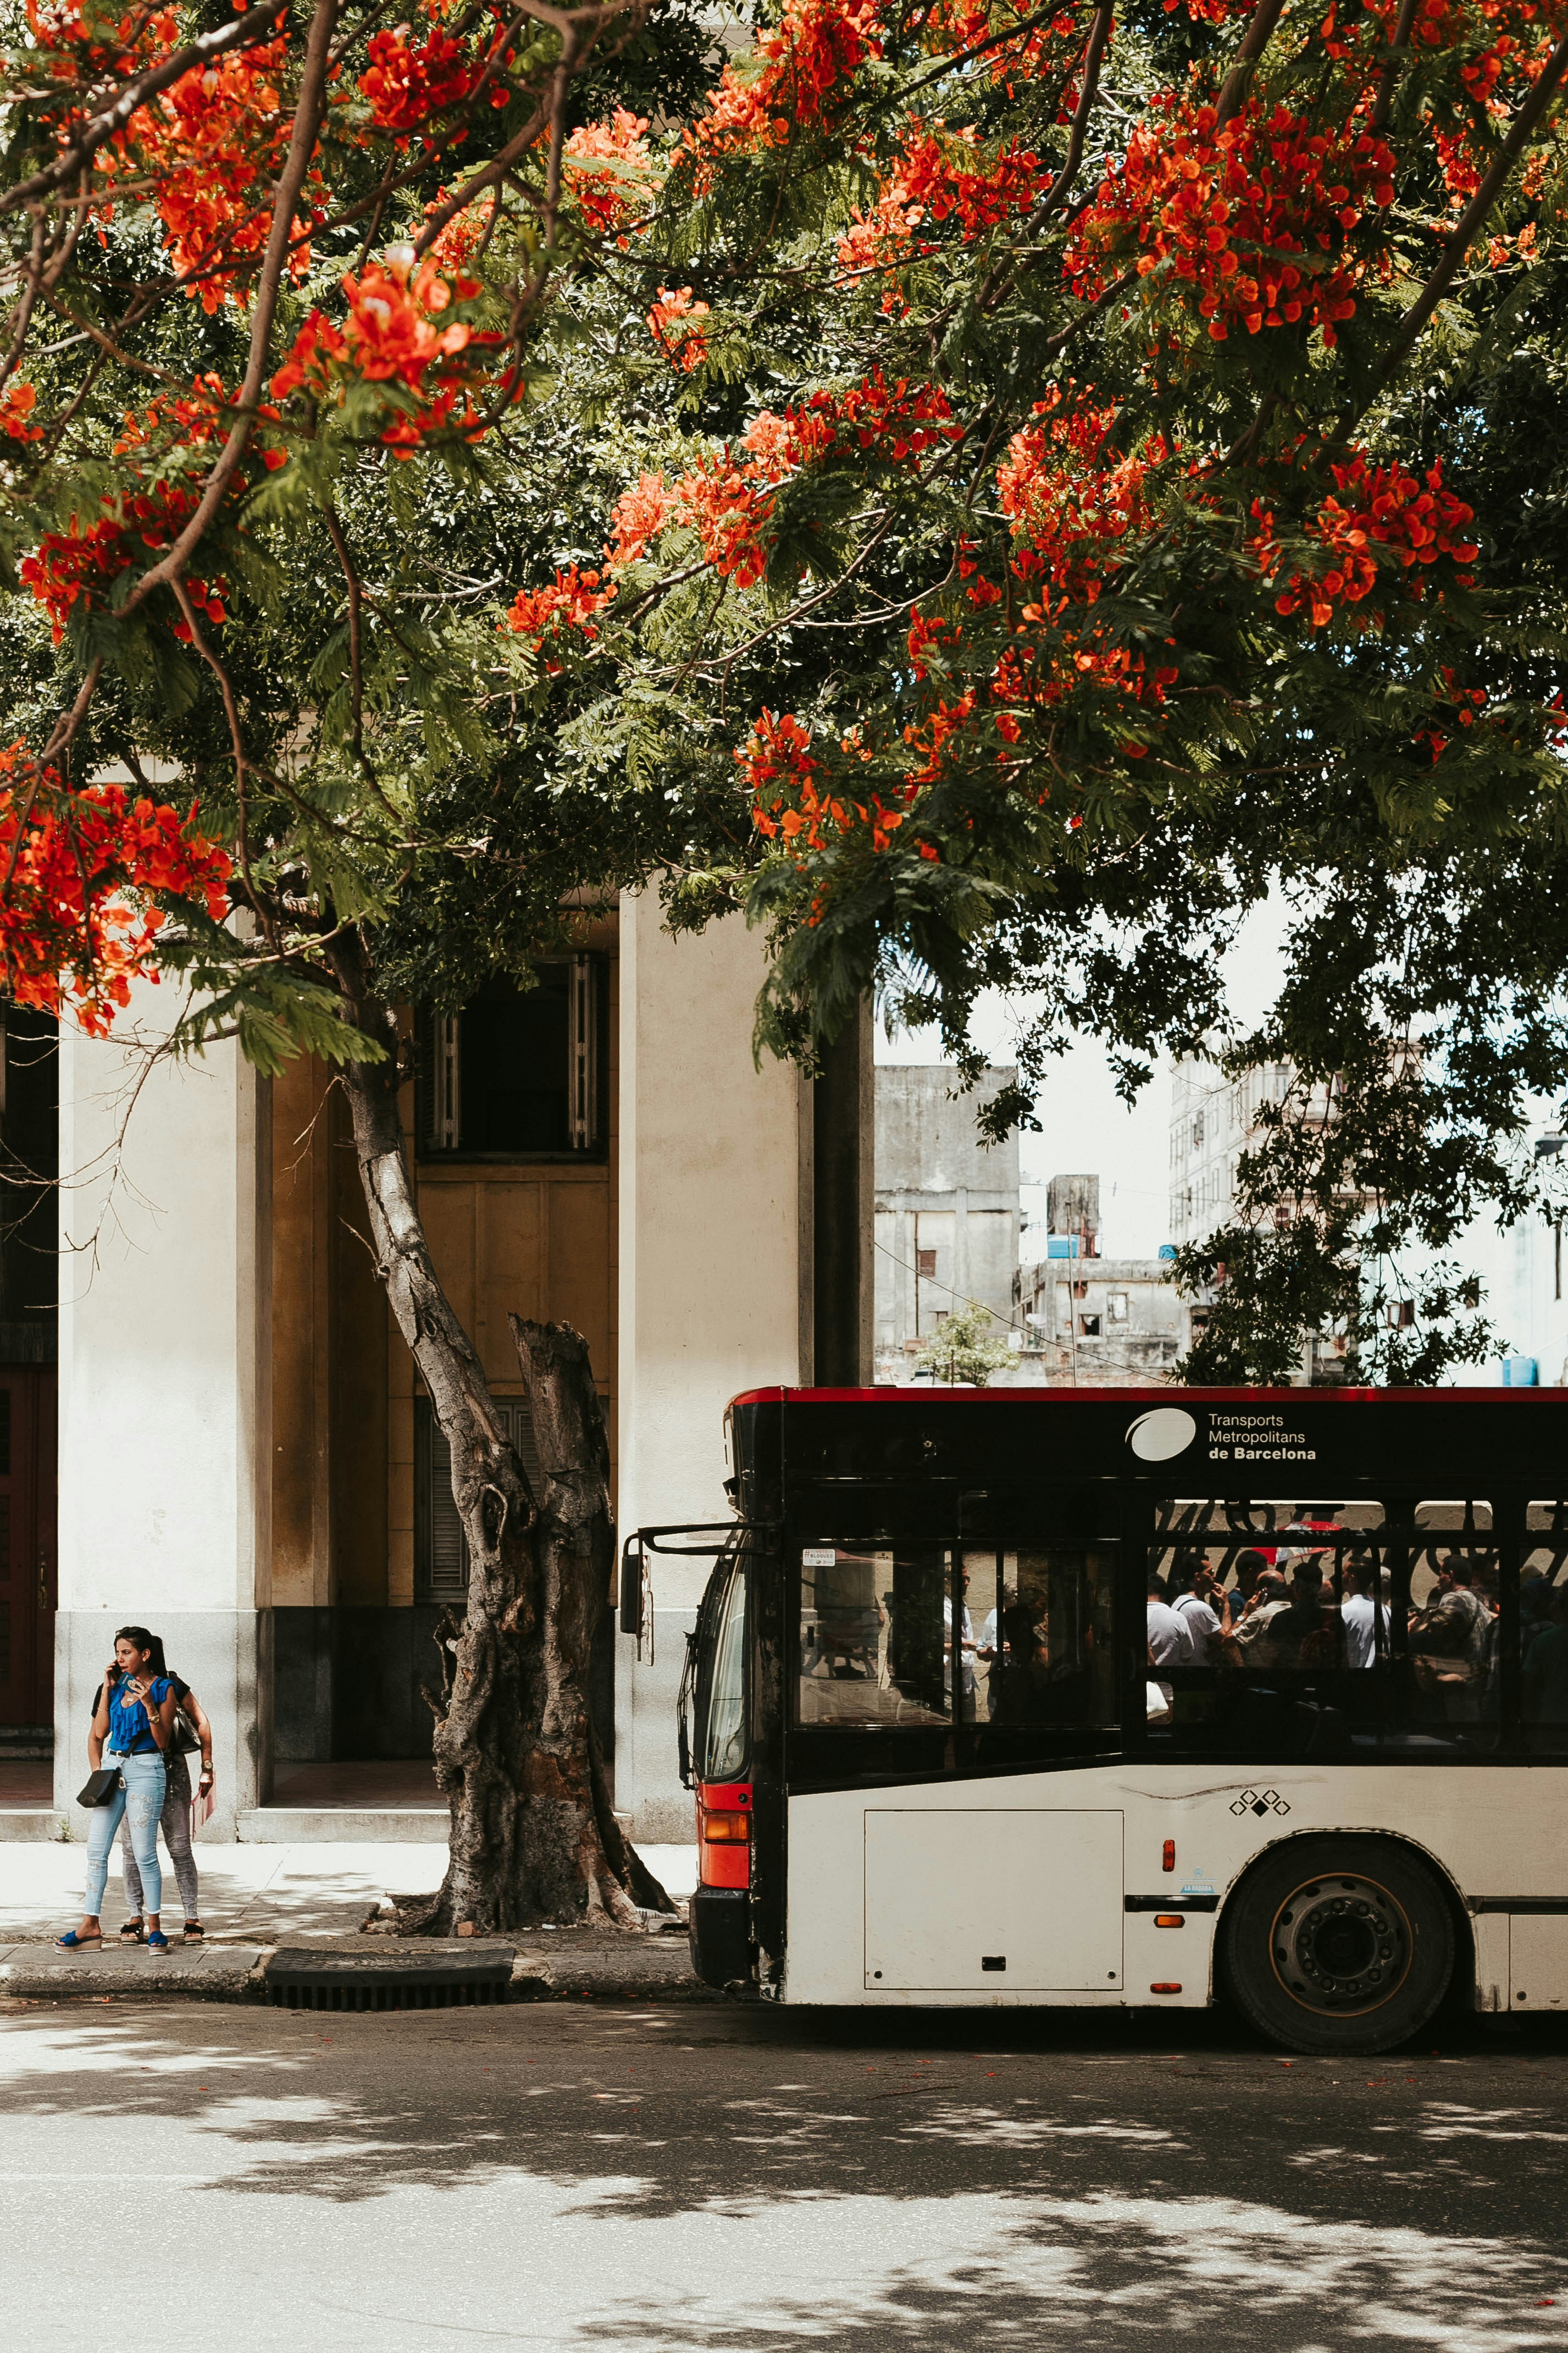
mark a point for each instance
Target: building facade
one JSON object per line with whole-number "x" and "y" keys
{"x": 1213, "y": 1121}
{"x": 1097, "y": 1323}
{"x": 947, "y": 1208}
{"x": 247, "y": 1462}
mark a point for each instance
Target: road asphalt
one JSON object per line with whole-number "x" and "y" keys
{"x": 733, "y": 2180}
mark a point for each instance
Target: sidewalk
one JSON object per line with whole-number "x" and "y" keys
{"x": 255, "y": 1898}
{"x": 253, "y": 1894}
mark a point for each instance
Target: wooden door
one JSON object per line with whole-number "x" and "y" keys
{"x": 28, "y": 1559}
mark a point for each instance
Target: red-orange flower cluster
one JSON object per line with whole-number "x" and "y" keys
{"x": 391, "y": 336}
{"x": 569, "y": 602}
{"x": 81, "y": 562}
{"x": 75, "y": 927}
{"x": 728, "y": 497}
{"x": 608, "y": 173}
{"x": 408, "y": 85}
{"x": 1069, "y": 496}
{"x": 1255, "y": 217}
{"x": 16, "y": 411}
{"x": 798, "y": 71}
{"x": 673, "y": 325}
{"x": 788, "y": 804}
{"x": 210, "y": 145}
{"x": 941, "y": 175}
{"x": 1417, "y": 521}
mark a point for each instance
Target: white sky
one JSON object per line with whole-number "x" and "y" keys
{"x": 1085, "y": 1127}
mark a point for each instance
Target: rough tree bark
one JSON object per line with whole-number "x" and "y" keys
{"x": 532, "y": 1836}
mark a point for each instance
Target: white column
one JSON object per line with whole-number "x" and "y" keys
{"x": 164, "y": 1384}
{"x": 711, "y": 1278}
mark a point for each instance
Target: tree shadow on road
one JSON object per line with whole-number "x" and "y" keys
{"x": 919, "y": 2182}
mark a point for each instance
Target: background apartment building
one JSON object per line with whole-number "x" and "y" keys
{"x": 1097, "y": 1323}
{"x": 947, "y": 1208}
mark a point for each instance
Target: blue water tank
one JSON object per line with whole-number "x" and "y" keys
{"x": 1519, "y": 1373}
{"x": 1167, "y": 1250}
{"x": 1061, "y": 1246}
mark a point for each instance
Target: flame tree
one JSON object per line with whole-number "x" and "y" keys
{"x": 278, "y": 441}
{"x": 1109, "y": 468}
{"x": 989, "y": 491}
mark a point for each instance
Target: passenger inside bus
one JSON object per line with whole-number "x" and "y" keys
{"x": 1317, "y": 1627}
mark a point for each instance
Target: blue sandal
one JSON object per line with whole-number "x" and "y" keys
{"x": 73, "y": 1941}
{"x": 157, "y": 1941}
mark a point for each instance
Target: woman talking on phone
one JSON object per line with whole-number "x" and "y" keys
{"x": 190, "y": 1722}
{"x": 132, "y": 1722}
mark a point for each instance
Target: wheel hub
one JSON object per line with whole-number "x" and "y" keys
{"x": 1340, "y": 1944}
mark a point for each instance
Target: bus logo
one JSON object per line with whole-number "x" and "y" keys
{"x": 1156, "y": 1437}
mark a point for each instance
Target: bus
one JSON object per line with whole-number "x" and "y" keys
{"x": 1114, "y": 1697}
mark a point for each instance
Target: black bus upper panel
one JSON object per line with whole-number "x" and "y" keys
{"x": 1163, "y": 1441}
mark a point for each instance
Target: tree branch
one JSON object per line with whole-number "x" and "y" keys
{"x": 1237, "y": 81}
{"x": 356, "y": 679}
{"x": 1394, "y": 64}
{"x": 301, "y": 146}
{"x": 1099, "y": 34}
{"x": 237, "y": 741}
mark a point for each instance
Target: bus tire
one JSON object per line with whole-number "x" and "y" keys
{"x": 1338, "y": 1944}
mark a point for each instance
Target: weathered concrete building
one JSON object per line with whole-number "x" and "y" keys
{"x": 1101, "y": 1322}
{"x": 947, "y": 1208}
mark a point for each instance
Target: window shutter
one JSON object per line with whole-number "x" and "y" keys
{"x": 437, "y": 1088}
{"x": 583, "y": 1076}
{"x": 441, "y": 1551}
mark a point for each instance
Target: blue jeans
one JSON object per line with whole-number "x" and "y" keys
{"x": 141, "y": 1800}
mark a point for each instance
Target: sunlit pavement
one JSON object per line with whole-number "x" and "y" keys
{"x": 254, "y": 1893}
{"x": 742, "y": 2179}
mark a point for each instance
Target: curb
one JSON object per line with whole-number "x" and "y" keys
{"x": 218, "y": 1973}
{"x": 238, "y": 1974}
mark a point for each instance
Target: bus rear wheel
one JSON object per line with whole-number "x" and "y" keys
{"x": 1338, "y": 1944}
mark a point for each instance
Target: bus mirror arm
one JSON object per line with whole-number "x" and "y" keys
{"x": 632, "y": 1585}
{"x": 717, "y": 1536}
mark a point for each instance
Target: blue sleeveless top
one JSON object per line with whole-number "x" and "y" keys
{"x": 128, "y": 1732}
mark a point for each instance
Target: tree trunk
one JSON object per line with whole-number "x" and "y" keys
{"x": 532, "y": 1836}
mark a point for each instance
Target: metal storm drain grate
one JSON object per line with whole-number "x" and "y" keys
{"x": 306, "y": 1979}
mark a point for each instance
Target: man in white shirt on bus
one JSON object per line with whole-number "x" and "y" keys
{"x": 1360, "y": 1612}
{"x": 965, "y": 1644}
{"x": 1196, "y": 1607}
{"x": 1170, "y": 1644}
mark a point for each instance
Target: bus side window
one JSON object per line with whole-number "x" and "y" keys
{"x": 1045, "y": 1635}
{"x": 1283, "y": 1628}
{"x": 1543, "y": 1629}
{"x": 875, "y": 1635}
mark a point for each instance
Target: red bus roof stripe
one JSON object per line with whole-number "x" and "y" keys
{"x": 1163, "y": 1394}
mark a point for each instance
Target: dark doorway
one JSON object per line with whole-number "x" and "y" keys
{"x": 28, "y": 1561}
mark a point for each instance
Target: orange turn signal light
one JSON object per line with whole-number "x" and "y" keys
{"x": 719, "y": 1828}
{"x": 1164, "y": 1989}
{"x": 1169, "y": 1919}
{"x": 1168, "y": 1858}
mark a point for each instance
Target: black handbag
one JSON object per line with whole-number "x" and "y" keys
{"x": 99, "y": 1787}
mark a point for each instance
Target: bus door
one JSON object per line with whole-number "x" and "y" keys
{"x": 1008, "y": 1881}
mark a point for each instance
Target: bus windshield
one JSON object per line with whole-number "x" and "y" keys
{"x": 722, "y": 1726}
